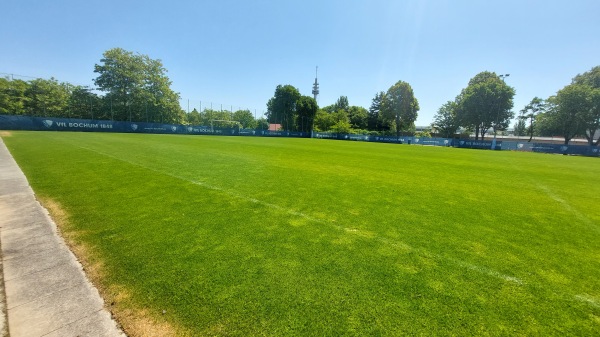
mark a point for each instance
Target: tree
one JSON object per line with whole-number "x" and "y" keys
{"x": 566, "y": 114}
{"x": 590, "y": 78}
{"x": 375, "y": 121}
{"x": 262, "y": 124}
{"x": 591, "y": 117}
{"x": 485, "y": 103}
{"x": 193, "y": 118}
{"x": 520, "y": 128}
{"x": 46, "y": 98}
{"x": 215, "y": 118}
{"x": 323, "y": 120}
{"x": 306, "y": 109}
{"x": 530, "y": 112}
{"x": 544, "y": 123}
{"x": 12, "y": 96}
{"x": 281, "y": 108}
{"x": 83, "y": 103}
{"x": 341, "y": 126}
{"x": 245, "y": 118}
{"x": 341, "y": 122}
{"x": 137, "y": 87}
{"x": 400, "y": 105}
{"x": 445, "y": 120}
{"x": 358, "y": 116}
{"x": 341, "y": 104}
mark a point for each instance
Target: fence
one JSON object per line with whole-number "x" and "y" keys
{"x": 13, "y": 122}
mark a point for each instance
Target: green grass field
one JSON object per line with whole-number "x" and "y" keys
{"x": 250, "y": 236}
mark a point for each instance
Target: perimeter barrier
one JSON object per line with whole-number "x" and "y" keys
{"x": 16, "y": 122}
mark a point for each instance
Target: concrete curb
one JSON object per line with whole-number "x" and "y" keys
{"x": 47, "y": 291}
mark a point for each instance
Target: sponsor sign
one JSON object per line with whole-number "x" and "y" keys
{"x": 479, "y": 144}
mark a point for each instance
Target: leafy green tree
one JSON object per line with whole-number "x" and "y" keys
{"x": 281, "y": 108}
{"x": 400, "y": 106}
{"x": 341, "y": 104}
{"x": 193, "y": 118}
{"x": 306, "y": 108}
{"x": 446, "y": 120}
{"x": 12, "y": 96}
{"x": 375, "y": 121}
{"x": 323, "y": 120}
{"x": 137, "y": 87}
{"x": 341, "y": 122}
{"x": 590, "y": 78}
{"x": 485, "y": 103}
{"x": 46, "y": 98}
{"x": 83, "y": 103}
{"x": 566, "y": 114}
{"x": 245, "y": 118}
{"x": 121, "y": 77}
{"x": 340, "y": 115}
{"x": 329, "y": 108}
{"x": 341, "y": 126}
{"x": 215, "y": 118}
{"x": 358, "y": 116}
{"x": 530, "y": 112}
{"x": 591, "y": 117}
{"x": 520, "y": 128}
{"x": 544, "y": 121}
{"x": 423, "y": 134}
{"x": 262, "y": 124}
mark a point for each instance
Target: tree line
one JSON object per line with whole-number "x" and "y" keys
{"x": 134, "y": 87}
{"x": 486, "y": 105}
{"x": 392, "y": 112}
{"x": 573, "y": 111}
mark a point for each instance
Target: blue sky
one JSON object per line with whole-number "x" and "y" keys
{"x": 234, "y": 53}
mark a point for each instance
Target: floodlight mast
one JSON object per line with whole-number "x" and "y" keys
{"x": 315, "y": 90}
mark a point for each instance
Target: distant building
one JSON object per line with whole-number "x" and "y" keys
{"x": 274, "y": 127}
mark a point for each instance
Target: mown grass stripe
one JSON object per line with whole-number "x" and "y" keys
{"x": 254, "y": 236}
{"x": 312, "y": 219}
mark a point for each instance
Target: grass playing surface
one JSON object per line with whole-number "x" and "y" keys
{"x": 272, "y": 236}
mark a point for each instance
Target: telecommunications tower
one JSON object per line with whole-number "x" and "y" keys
{"x": 315, "y": 90}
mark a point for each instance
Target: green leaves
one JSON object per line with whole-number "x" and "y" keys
{"x": 568, "y": 114}
{"x": 446, "y": 120}
{"x": 573, "y": 111}
{"x": 485, "y": 103}
{"x": 306, "y": 109}
{"x": 137, "y": 87}
{"x": 400, "y": 105}
{"x": 245, "y": 118}
{"x": 12, "y": 96}
{"x": 46, "y": 98}
{"x": 531, "y": 111}
{"x": 290, "y": 109}
{"x": 281, "y": 108}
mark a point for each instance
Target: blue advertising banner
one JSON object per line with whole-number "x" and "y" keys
{"x": 13, "y": 122}
{"x": 478, "y": 144}
{"x": 89, "y": 125}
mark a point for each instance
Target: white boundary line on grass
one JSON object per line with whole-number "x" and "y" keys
{"x": 566, "y": 205}
{"x": 588, "y": 299}
{"x": 482, "y": 270}
{"x": 487, "y": 271}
